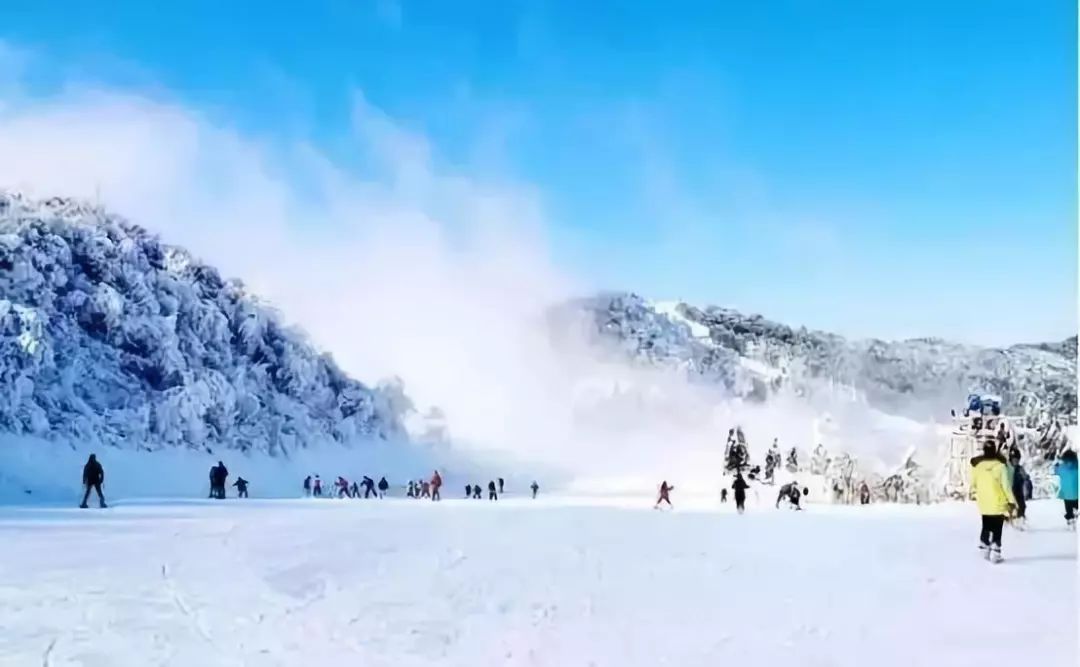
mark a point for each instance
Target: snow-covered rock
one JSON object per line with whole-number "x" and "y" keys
{"x": 110, "y": 336}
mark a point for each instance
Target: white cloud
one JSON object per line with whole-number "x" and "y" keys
{"x": 407, "y": 269}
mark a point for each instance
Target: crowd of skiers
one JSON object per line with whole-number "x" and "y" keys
{"x": 1000, "y": 485}
{"x": 313, "y": 487}
{"x": 430, "y": 488}
{"x": 1001, "y": 488}
{"x": 790, "y": 494}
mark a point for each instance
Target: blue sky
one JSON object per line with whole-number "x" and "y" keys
{"x": 856, "y": 166}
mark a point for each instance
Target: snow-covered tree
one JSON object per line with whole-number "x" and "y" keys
{"x": 107, "y": 335}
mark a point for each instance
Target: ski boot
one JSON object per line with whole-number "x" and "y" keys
{"x": 995, "y": 554}
{"x": 984, "y": 549}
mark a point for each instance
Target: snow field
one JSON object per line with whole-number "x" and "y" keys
{"x": 558, "y": 581}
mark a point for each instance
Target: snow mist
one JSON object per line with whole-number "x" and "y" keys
{"x": 399, "y": 267}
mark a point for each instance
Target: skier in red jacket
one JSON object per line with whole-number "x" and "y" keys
{"x": 436, "y": 482}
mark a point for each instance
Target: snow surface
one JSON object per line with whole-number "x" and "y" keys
{"x": 671, "y": 310}
{"x": 560, "y": 581}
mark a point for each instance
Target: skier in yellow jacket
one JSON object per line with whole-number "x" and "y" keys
{"x": 994, "y": 496}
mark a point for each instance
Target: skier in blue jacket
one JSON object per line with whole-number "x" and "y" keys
{"x": 1067, "y": 485}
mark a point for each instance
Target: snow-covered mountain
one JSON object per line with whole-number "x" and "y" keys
{"x": 110, "y": 336}
{"x": 753, "y": 357}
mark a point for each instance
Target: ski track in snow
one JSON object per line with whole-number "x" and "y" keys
{"x": 558, "y": 581}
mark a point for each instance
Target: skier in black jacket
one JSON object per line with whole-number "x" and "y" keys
{"x": 384, "y": 486}
{"x": 218, "y": 477}
{"x": 369, "y": 486}
{"x": 740, "y": 487}
{"x": 93, "y": 476}
{"x": 241, "y": 485}
{"x": 792, "y": 493}
{"x": 492, "y": 495}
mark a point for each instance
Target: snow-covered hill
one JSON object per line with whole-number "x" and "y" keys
{"x": 110, "y": 336}
{"x": 753, "y": 357}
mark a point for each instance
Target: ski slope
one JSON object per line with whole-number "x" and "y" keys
{"x": 558, "y": 581}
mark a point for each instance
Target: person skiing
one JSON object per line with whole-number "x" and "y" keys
{"x": 500, "y": 485}
{"x": 1066, "y": 471}
{"x": 791, "y": 493}
{"x": 342, "y": 485}
{"x": 354, "y": 490}
{"x": 384, "y": 486}
{"x": 93, "y": 476}
{"x": 864, "y": 494}
{"x": 436, "y": 484}
{"x": 665, "y": 494}
{"x": 307, "y": 486}
{"x": 241, "y": 485}
{"x": 740, "y": 487}
{"x": 1018, "y": 481}
{"x": 369, "y": 487}
{"x": 492, "y": 495}
{"x": 316, "y": 488}
{"x": 477, "y": 492}
{"x": 994, "y": 497}
{"x": 535, "y": 487}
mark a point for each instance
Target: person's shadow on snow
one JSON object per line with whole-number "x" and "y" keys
{"x": 1033, "y": 559}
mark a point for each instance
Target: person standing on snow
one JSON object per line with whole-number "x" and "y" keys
{"x": 665, "y": 494}
{"x": 354, "y": 490}
{"x": 241, "y": 485}
{"x": 500, "y": 485}
{"x": 723, "y": 495}
{"x": 410, "y": 491}
{"x": 535, "y": 487}
{"x": 477, "y": 492}
{"x": 1066, "y": 471}
{"x": 492, "y": 495}
{"x": 317, "y": 488}
{"x": 994, "y": 496}
{"x": 1017, "y": 482}
{"x": 93, "y": 476}
{"x": 436, "y": 484}
{"x": 217, "y": 481}
{"x": 740, "y": 487}
{"x": 369, "y": 487}
{"x": 864, "y": 494}
{"x": 307, "y": 486}
{"x": 468, "y": 491}
{"x": 425, "y": 489}
{"x": 384, "y": 486}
